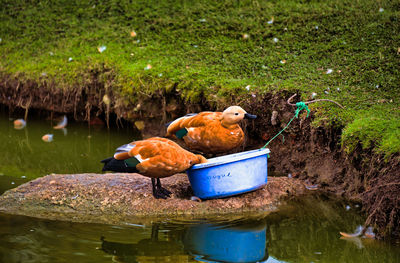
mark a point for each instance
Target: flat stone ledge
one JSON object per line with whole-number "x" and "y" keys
{"x": 116, "y": 198}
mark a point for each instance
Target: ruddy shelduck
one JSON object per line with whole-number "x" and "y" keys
{"x": 155, "y": 158}
{"x": 211, "y": 132}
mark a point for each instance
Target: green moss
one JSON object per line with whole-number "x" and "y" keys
{"x": 199, "y": 46}
{"x": 374, "y": 128}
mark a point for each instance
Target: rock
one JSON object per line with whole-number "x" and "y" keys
{"x": 126, "y": 198}
{"x": 273, "y": 117}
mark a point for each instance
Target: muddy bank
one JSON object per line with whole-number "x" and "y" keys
{"x": 124, "y": 198}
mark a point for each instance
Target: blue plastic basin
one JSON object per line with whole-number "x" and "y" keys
{"x": 230, "y": 174}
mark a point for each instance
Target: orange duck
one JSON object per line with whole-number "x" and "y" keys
{"x": 155, "y": 158}
{"x": 211, "y": 132}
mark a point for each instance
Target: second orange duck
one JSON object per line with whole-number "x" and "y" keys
{"x": 211, "y": 132}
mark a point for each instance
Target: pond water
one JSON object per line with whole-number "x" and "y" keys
{"x": 305, "y": 230}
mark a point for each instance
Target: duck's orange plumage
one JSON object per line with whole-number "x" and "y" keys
{"x": 154, "y": 157}
{"x": 211, "y": 132}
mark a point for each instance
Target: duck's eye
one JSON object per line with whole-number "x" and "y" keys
{"x": 236, "y": 113}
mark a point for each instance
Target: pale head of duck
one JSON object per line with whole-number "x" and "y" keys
{"x": 234, "y": 114}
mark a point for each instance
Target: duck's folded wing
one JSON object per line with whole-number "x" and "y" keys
{"x": 201, "y": 119}
{"x": 187, "y": 115}
{"x": 122, "y": 152}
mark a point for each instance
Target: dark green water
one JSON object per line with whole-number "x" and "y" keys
{"x": 306, "y": 230}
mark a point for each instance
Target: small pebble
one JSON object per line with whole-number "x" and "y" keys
{"x": 202, "y": 20}
{"x": 347, "y": 207}
{"x": 70, "y": 59}
{"x": 275, "y": 40}
{"x": 381, "y": 10}
{"x": 248, "y": 87}
{"x": 290, "y": 176}
{"x": 329, "y": 71}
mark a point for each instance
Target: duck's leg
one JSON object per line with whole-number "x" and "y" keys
{"x": 162, "y": 189}
{"x": 157, "y": 192}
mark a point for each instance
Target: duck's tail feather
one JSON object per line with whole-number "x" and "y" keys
{"x": 125, "y": 148}
{"x": 114, "y": 165}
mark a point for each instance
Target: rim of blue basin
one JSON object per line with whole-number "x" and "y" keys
{"x": 230, "y": 158}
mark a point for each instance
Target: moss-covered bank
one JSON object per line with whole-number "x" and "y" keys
{"x": 343, "y": 50}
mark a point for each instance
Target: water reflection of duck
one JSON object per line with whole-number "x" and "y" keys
{"x": 160, "y": 250}
{"x": 155, "y": 158}
{"x": 211, "y": 132}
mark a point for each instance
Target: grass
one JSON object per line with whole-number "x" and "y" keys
{"x": 200, "y": 46}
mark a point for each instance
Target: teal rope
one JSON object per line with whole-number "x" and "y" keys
{"x": 300, "y": 106}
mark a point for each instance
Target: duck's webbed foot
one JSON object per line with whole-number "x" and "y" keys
{"x": 158, "y": 190}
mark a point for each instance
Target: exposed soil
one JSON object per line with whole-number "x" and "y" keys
{"x": 311, "y": 154}
{"x": 127, "y": 198}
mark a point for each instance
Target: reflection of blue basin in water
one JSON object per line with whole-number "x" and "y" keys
{"x": 229, "y": 174}
{"x": 211, "y": 242}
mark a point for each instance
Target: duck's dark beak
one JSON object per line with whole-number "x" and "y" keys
{"x": 249, "y": 116}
